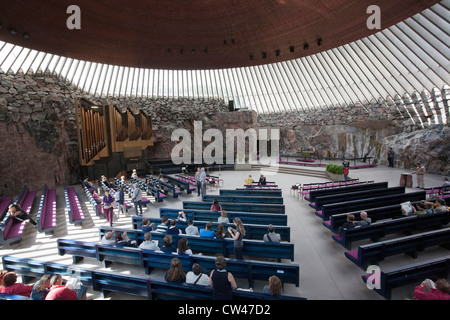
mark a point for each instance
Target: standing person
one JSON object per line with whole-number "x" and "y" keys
{"x": 222, "y": 281}
{"x": 198, "y": 181}
{"x": 420, "y": 172}
{"x": 108, "y": 209}
{"x": 391, "y": 155}
{"x": 237, "y": 235}
{"x": 137, "y": 199}
{"x": 203, "y": 180}
{"x": 346, "y": 165}
{"x": 120, "y": 200}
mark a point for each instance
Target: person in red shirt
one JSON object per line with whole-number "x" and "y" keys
{"x": 11, "y": 286}
{"x": 428, "y": 290}
{"x": 59, "y": 291}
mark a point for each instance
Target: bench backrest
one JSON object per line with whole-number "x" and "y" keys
{"x": 246, "y": 217}
{"x": 251, "y": 192}
{"x": 243, "y": 199}
{"x": 240, "y": 207}
{"x": 364, "y": 204}
{"x": 345, "y": 189}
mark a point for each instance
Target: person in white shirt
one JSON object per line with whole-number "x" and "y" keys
{"x": 148, "y": 244}
{"x": 196, "y": 276}
{"x": 108, "y": 238}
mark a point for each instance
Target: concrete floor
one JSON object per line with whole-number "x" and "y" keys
{"x": 325, "y": 273}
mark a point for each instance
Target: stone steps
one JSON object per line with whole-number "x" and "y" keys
{"x": 301, "y": 171}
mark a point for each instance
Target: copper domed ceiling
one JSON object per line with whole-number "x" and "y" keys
{"x": 195, "y": 34}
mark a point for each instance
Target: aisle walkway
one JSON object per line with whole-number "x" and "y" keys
{"x": 325, "y": 273}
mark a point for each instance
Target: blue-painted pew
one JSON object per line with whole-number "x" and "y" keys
{"x": 78, "y": 249}
{"x": 30, "y": 269}
{"x": 240, "y": 207}
{"x": 183, "y": 185}
{"x": 375, "y": 214}
{"x": 246, "y": 217}
{"x": 410, "y": 245}
{"x": 252, "y": 231}
{"x": 251, "y": 192}
{"x": 364, "y": 204}
{"x": 380, "y": 229}
{"x": 225, "y": 247}
{"x": 320, "y": 201}
{"x": 156, "y": 289}
{"x": 242, "y": 199}
{"x": 409, "y": 274}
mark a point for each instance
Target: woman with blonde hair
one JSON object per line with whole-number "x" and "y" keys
{"x": 274, "y": 287}
{"x": 238, "y": 235}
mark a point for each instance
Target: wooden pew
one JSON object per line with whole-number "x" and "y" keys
{"x": 252, "y": 231}
{"x": 241, "y": 207}
{"x": 319, "y": 192}
{"x": 363, "y": 204}
{"x": 242, "y": 199}
{"x": 46, "y": 217}
{"x": 251, "y": 192}
{"x": 12, "y": 231}
{"x": 410, "y": 245}
{"x": 378, "y": 230}
{"x": 76, "y": 215}
{"x": 409, "y": 274}
{"x": 246, "y": 217}
{"x": 320, "y": 201}
{"x": 78, "y": 249}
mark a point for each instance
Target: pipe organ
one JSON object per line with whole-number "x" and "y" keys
{"x": 104, "y": 129}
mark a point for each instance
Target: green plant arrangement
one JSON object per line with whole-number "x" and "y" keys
{"x": 335, "y": 168}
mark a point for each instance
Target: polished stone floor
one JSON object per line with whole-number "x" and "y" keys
{"x": 325, "y": 273}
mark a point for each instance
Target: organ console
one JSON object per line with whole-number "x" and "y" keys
{"x": 104, "y": 129}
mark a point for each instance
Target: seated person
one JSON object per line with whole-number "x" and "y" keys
{"x": 175, "y": 272}
{"x": 182, "y": 216}
{"x": 58, "y": 291}
{"x": 349, "y": 224}
{"x": 191, "y": 229}
{"x": 196, "y": 276}
{"x": 215, "y": 206}
{"x": 148, "y": 244}
{"x": 365, "y": 220}
{"x": 420, "y": 209}
{"x": 11, "y": 286}
{"x": 87, "y": 184}
{"x": 262, "y": 181}
{"x": 108, "y": 238}
{"x": 122, "y": 240}
{"x": 207, "y": 232}
{"x": 168, "y": 247}
{"x": 271, "y": 236}
{"x": 223, "y": 217}
{"x": 18, "y": 215}
{"x": 249, "y": 181}
{"x": 173, "y": 229}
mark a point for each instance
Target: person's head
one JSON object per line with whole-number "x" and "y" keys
{"x": 275, "y": 285}
{"x": 440, "y": 201}
{"x": 56, "y": 280}
{"x": 223, "y": 214}
{"x": 350, "y": 218}
{"x": 2, "y": 274}
{"x": 197, "y": 269}
{"x": 190, "y": 222}
{"x": 220, "y": 262}
{"x": 363, "y": 215}
{"x": 271, "y": 228}
{"x": 173, "y": 222}
{"x": 175, "y": 270}
{"x": 14, "y": 208}
{"x": 109, "y": 235}
{"x": 183, "y": 245}
{"x": 421, "y": 205}
{"x": 168, "y": 240}
{"x": 164, "y": 219}
{"x": 107, "y": 192}
{"x": 147, "y": 236}
{"x": 43, "y": 283}
{"x": 118, "y": 237}
{"x": 239, "y": 225}
{"x": 145, "y": 221}
{"x": 443, "y": 286}
{"x": 208, "y": 225}
{"x": 9, "y": 279}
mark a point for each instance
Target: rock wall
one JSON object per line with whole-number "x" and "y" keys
{"x": 39, "y": 141}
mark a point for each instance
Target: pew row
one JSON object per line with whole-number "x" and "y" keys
{"x": 252, "y": 231}
{"x": 46, "y": 217}
{"x": 242, "y": 199}
{"x": 76, "y": 215}
{"x": 410, "y": 245}
{"x": 357, "y": 186}
{"x": 240, "y": 207}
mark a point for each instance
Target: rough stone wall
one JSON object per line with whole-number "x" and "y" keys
{"x": 367, "y": 130}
